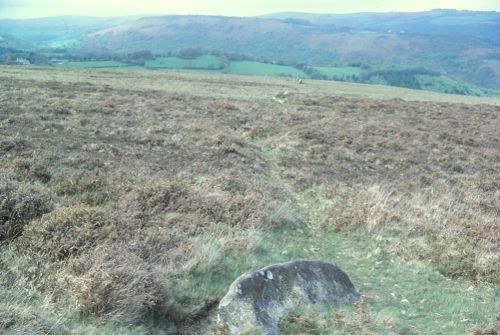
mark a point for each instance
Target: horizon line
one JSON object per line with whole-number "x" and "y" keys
{"x": 249, "y": 16}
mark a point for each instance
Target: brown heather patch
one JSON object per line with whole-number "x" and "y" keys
{"x": 112, "y": 283}
{"x": 68, "y": 231}
{"x": 32, "y": 169}
{"x": 111, "y": 258}
{"x": 19, "y": 204}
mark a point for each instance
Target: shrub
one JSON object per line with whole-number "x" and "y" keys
{"x": 11, "y": 144}
{"x": 154, "y": 198}
{"x": 30, "y": 168}
{"x": 67, "y": 231}
{"x": 19, "y": 204}
{"x": 91, "y": 188}
{"x": 117, "y": 286}
{"x": 218, "y": 207}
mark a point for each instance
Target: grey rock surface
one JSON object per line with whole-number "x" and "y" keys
{"x": 256, "y": 301}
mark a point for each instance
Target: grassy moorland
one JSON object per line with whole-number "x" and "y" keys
{"x": 130, "y": 200}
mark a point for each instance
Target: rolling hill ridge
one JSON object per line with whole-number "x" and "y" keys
{"x": 463, "y": 45}
{"x": 468, "y": 58}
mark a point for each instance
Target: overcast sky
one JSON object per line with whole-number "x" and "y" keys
{"x": 42, "y": 8}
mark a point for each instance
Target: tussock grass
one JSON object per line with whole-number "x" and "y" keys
{"x": 460, "y": 239}
{"x": 116, "y": 285}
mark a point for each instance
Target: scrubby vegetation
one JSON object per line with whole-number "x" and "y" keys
{"x": 19, "y": 204}
{"x": 130, "y": 210}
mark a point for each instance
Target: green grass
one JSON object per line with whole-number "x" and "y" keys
{"x": 339, "y": 72}
{"x": 202, "y": 62}
{"x": 93, "y": 64}
{"x": 398, "y": 295}
{"x": 263, "y": 69}
{"x": 64, "y": 43}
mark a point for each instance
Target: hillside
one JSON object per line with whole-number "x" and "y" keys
{"x": 485, "y": 25}
{"x": 461, "y": 45}
{"x": 464, "y": 57}
{"x": 130, "y": 200}
{"x": 55, "y": 32}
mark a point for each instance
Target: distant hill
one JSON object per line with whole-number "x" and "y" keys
{"x": 59, "y": 31}
{"x": 462, "y": 56}
{"x": 461, "y": 44}
{"x": 485, "y": 25}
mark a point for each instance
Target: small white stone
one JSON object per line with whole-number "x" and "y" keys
{"x": 269, "y": 274}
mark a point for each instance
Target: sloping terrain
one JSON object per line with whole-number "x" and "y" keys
{"x": 129, "y": 201}
{"x": 56, "y": 31}
{"x": 461, "y": 44}
{"x": 435, "y": 22}
{"x": 458, "y": 55}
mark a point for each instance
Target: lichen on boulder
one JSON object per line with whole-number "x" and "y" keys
{"x": 256, "y": 301}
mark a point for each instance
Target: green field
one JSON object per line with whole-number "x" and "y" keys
{"x": 93, "y": 64}
{"x": 212, "y": 63}
{"x": 339, "y": 72}
{"x": 263, "y": 69}
{"x": 203, "y": 62}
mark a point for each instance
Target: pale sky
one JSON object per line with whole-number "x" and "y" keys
{"x": 43, "y": 8}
